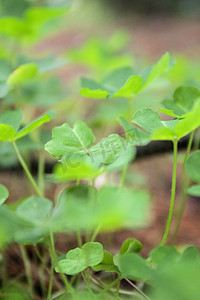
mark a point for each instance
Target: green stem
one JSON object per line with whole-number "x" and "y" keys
{"x": 183, "y": 190}
{"x": 27, "y": 268}
{"x": 50, "y": 283}
{"x": 41, "y": 166}
{"x": 118, "y": 287}
{"x": 123, "y": 176}
{"x": 196, "y": 139}
{"x": 95, "y": 233}
{"x": 55, "y": 261}
{"x": 31, "y": 179}
{"x": 109, "y": 286}
{"x": 173, "y": 192}
{"x": 87, "y": 283}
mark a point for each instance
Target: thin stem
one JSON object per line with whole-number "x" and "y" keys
{"x": 118, "y": 287}
{"x": 41, "y": 167}
{"x": 87, "y": 283}
{"x": 183, "y": 190}
{"x": 30, "y": 177}
{"x": 123, "y": 176}
{"x": 50, "y": 283}
{"x": 173, "y": 193}
{"x": 137, "y": 289}
{"x": 95, "y": 233}
{"x": 55, "y": 260}
{"x": 27, "y": 268}
{"x": 109, "y": 286}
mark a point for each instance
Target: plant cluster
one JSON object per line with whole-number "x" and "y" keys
{"x": 90, "y": 270}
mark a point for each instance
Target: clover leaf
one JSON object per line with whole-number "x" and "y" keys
{"x": 123, "y": 82}
{"x": 66, "y": 139}
{"x": 107, "y": 264}
{"x": 10, "y": 122}
{"x": 78, "y": 259}
{"x": 133, "y": 266}
{"x": 131, "y": 245}
{"x": 105, "y": 206}
{"x": 192, "y": 167}
{"x": 183, "y": 101}
{"x": 171, "y": 130}
{"x": 3, "y": 194}
{"x": 80, "y": 159}
{"x": 35, "y": 209}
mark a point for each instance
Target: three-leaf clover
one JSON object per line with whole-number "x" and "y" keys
{"x": 80, "y": 158}
{"x": 79, "y": 259}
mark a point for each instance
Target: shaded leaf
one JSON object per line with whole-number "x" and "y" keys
{"x": 3, "y": 194}
{"x": 133, "y": 266}
{"x": 193, "y": 166}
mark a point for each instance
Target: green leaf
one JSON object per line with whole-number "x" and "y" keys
{"x": 113, "y": 213}
{"x": 164, "y": 255}
{"x": 91, "y": 89}
{"x": 102, "y": 55}
{"x": 12, "y": 118}
{"x": 191, "y": 254}
{"x": 7, "y": 132}
{"x": 10, "y": 122}
{"x": 77, "y": 260}
{"x": 65, "y": 139}
{"x": 105, "y": 207}
{"x": 92, "y": 253}
{"x": 20, "y": 229}
{"x": 81, "y": 160}
{"x": 35, "y": 124}
{"x": 72, "y": 264}
{"x": 157, "y": 69}
{"x": 172, "y": 130}
{"x": 183, "y": 101}
{"x": 22, "y": 74}
{"x": 193, "y": 166}
{"x": 106, "y": 264}
{"x": 133, "y": 266}
{"x": 123, "y": 82}
{"x": 3, "y": 194}
{"x": 131, "y": 245}
{"x": 148, "y": 120}
{"x": 177, "y": 281}
{"x": 194, "y": 190}
{"x": 35, "y": 209}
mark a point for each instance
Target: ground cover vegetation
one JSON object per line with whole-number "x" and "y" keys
{"x": 82, "y": 152}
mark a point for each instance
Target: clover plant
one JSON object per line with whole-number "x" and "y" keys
{"x": 80, "y": 158}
